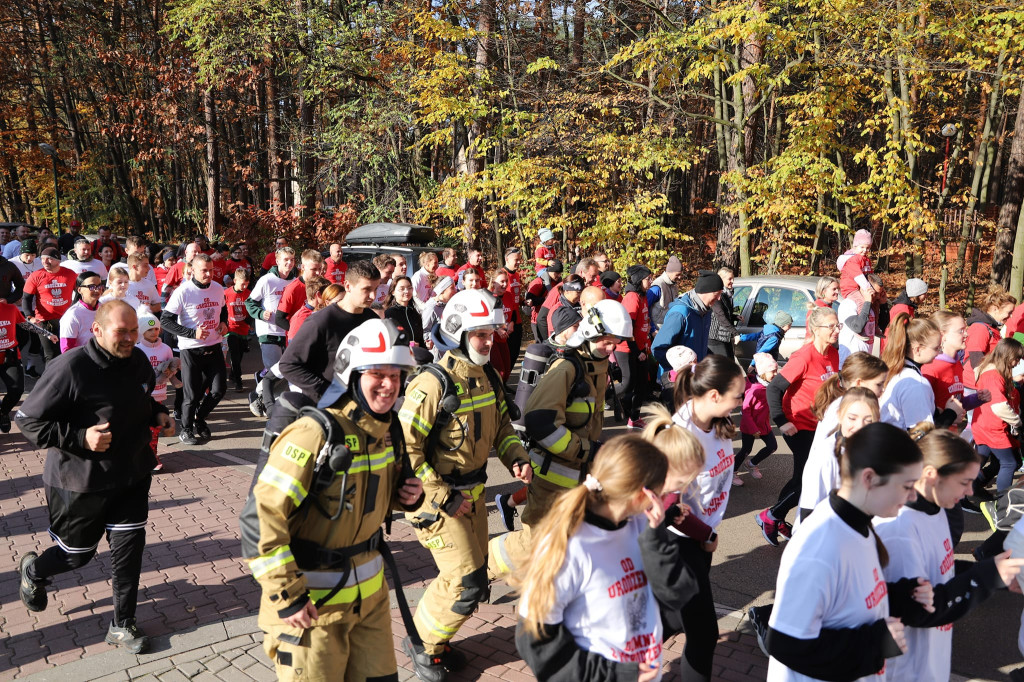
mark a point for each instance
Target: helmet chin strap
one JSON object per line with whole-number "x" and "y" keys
{"x": 474, "y": 357}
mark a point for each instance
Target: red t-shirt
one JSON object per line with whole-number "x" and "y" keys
{"x": 118, "y": 251}
{"x": 989, "y": 429}
{"x": 511, "y": 305}
{"x": 854, "y": 266}
{"x": 515, "y": 284}
{"x": 536, "y": 288}
{"x": 238, "y": 317}
{"x": 230, "y": 265}
{"x": 980, "y": 337}
{"x": 541, "y": 257}
{"x": 806, "y": 370}
{"x": 445, "y": 271}
{"x": 300, "y": 316}
{"x": 636, "y": 306}
{"x": 335, "y": 272}
{"x": 53, "y": 292}
{"x": 219, "y": 267}
{"x": 10, "y": 317}
{"x": 479, "y": 271}
{"x": 174, "y": 277}
{"x": 1015, "y": 323}
{"x": 270, "y": 260}
{"x": 293, "y": 298}
{"x": 946, "y": 378}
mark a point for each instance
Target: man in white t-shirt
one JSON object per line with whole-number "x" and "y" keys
{"x": 263, "y": 302}
{"x": 139, "y": 285}
{"x": 196, "y": 314}
{"x": 85, "y": 262}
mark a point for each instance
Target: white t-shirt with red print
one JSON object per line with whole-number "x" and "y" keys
{"x": 158, "y": 353}
{"x": 709, "y": 494}
{"x": 196, "y": 308}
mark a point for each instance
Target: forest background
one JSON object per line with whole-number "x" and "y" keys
{"x": 759, "y": 133}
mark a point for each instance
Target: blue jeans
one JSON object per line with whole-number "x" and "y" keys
{"x": 1008, "y": 463}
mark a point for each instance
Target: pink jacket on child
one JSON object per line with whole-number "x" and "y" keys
{"x": 755, "y": 418}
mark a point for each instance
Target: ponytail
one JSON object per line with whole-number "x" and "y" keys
{"x": 903, "y": 333}
{"x": 714, "y": 372}
{"x": 859, "y": 366}
{"x": 624, "y": 466}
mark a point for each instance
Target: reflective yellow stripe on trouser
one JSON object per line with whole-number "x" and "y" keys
{"x": 558, "y": 474}
{"x": 507, "y": 551}
{"x": 363, "y": 581}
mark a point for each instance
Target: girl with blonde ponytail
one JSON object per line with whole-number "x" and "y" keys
{"x": 587, "y": 611}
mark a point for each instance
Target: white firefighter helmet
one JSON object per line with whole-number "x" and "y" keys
{"x": 374, "y": 344}
{"x": 606, "y": 318}
{"x": 469, "y": 310}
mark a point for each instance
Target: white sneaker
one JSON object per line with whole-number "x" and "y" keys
{"x": 755, "y": 473}
{"x": 737, "y": 481}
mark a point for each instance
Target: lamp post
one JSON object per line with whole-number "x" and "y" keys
{"x": 949, "y": 132}
{"x": 52, "y": 153}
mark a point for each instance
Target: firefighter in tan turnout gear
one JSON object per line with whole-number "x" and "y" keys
{"x": 454, "y": 413}
{"x": 325, "y": 607}
{"x": 564, "y": 417}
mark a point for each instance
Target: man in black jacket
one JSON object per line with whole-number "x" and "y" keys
{"x": 309, "y": 358}
{"x": 93, "y": 411}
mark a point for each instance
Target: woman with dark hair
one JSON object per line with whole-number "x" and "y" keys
{"x": 399, "y": 306}
{"x": 705, "y": 396}
{"x": 919, "y": 544}
{"x": 76, "y": 322}
{"x": 835, "y": 617}
{"x": 791, "y": 401}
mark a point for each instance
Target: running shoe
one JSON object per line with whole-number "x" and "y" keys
{"x": 970, "y": 506}
{"x": 256, "y": 405}
{"x": 5, "y": 422}
{"x": 737, "y": 482}
{"x": 129, "y": 636}
{"x": 636, "y": 424}
{"x": 769, "y": 528}
{"x": 758, "y": 616}
{"x": 988, "y": 510}
{"x": 507, "y": 511}
{"x": 239, "y": 388}
{"x": 33, "y": 592}
{"x": 188, "y": 437}
{"x": 755, "y": 473}
{"x": 202, "y": 430}
{"x": 785, "y": 530}
{"x": 158, "y": 468}
{"x": 428, "y": 667}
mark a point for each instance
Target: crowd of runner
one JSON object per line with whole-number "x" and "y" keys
{"x": 388, "y": 384}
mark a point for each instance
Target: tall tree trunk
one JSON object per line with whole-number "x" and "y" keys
{"x": 212, "y": 165}
{"x": 579, "y": 26}
{"x": 477, "y": 127}
{"x": 274, "y": 143}
{"x": 1002, "y": 259}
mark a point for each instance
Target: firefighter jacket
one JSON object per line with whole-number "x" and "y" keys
{"x": 564, "y": 426}
{"x": 456, "y": 468}
{"x": 296, "y": 561}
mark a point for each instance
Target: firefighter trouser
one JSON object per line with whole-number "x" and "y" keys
{"x": 510, "y": 550}
{"x": 459, "y": 548}
{"x": 358, "y": 648}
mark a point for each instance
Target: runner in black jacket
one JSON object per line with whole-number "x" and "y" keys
{"x": 93, "y": 411}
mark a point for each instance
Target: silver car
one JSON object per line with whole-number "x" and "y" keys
{"x": 756, "y": 300}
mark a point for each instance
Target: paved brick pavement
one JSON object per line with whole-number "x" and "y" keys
{"x": 197, "y": 598}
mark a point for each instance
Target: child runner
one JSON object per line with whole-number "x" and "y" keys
{"x": 663, "y": 549}
{"x": 919, "y": 544}
{"x": 854, "y": 268}
{"x": 755, "y": 418}
{"x": 162, "y": 359}
{"x": 587, "y": 611}
{"x": 705, "y": 396}
{"x": 835, "y": 618}
{"x": 857, "y": 408}
{"x": 545, "y": 252}
{"x": 769, "y": 339}
{"x": 238, "y": 325}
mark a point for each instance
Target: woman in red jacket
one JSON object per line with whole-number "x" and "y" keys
{"x": 983, "y": 330}
{"x": 996, "y": 424}
{"x": 631, "y": 355}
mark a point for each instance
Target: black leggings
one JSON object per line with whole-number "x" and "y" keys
{"x": 201, "y": 368}
{"x": 770, "y": 446}
{"x": 515, "y": 344}
{"x": 50, "y": 349}
{"x": 13, "y": 376}
{"x": 700, "y": 620}
{"x": 800, "y": 444}
{"x": 236, "y": 348}
{"x": 634, "y": 387}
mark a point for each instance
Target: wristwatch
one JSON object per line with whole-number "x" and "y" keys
{"x": 711, "y": 538}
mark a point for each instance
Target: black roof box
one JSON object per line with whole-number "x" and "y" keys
{"x": 390, "y": 233}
